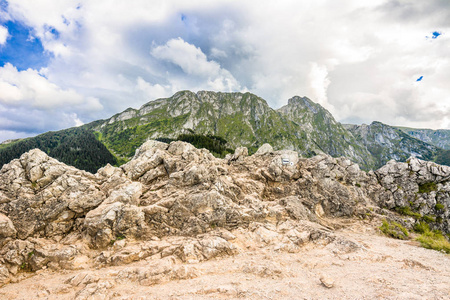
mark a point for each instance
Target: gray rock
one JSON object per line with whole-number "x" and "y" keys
{"x": 6, "y": 227}
{"x": 239, "y": 154}
{"x": 51, "y": 214}
{"x": 264, "y": 149}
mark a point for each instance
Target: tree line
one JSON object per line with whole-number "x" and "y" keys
{"x": 77, "y": 147}
{"x": 215, "y": 144}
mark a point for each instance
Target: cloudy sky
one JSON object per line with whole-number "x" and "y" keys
{"x": 64, "y": 63}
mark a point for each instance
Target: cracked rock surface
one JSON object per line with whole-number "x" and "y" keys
{"x": 174, "y": 209}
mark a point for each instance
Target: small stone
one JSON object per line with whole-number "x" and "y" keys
{"x": 327, "y": 281}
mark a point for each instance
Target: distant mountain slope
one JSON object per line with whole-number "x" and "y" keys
{"x": 243, "y": 119}
{"x": 324, "y": 132}
{"x": 385, "y": 142}
{"x": 439, "y": 138}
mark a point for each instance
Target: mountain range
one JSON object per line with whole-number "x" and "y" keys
{"x": 235, "y": 120}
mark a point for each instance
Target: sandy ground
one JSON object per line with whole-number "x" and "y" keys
{"x": 383, "y": 268}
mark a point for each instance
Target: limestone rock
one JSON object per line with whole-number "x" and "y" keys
{"x": 239, "y": 154}
{"x": 264, "y": 149}
{"x": 181, "y": 204}
{"x": 327, "y": 281}
{"x": 6, "y": 227}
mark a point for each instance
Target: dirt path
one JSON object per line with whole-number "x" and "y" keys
{"x": 382, "y": 268}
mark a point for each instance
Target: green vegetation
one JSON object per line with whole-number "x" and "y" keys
{"x": 429, "y": 219}
{"x": 215, "y": 144}
{"x": 74, "y": 146}
{"x": 432, "y": 239}
{"x": 394, "y": 229}
{"x": 118, "y": 238}
{"x": 123, "y": 137}
{"x": 406, "y": 211}
{"x": 427, "y": 187}
{"x": 443, "y": 157}
{"x": 439, "y": 206}
{"x": 402, "y": 144}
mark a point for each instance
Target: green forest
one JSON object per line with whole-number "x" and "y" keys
{"x": 215, "y": 144}
{"x": 77, "y": 147}
{"x": 80, "y": 148}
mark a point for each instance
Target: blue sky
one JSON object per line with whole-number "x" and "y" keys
{"x": 65, "y": 63}
{"x": 22, "y": 49}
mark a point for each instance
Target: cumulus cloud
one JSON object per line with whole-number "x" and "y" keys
{"x": 358, "y": 59}
{"x": 152, "y": 91}
{"x": 319, "y": 82}
{"x": 3, "y": 35}
{"x": 29, "y": 102}
{"x": 194, "y": 62}
{"x": 31, "y": 88}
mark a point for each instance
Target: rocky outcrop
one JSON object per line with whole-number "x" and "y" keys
{"x": 418, "y": 189}
{"x": 181, "y": 203}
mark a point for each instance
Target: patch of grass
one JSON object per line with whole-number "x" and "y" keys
{"x": 421, "y": 227}
{"x": 439, "y": 206}
{"x": 358, "y": 185}
{"x": 406, "y": 210}
{"x": 435, "y": 241}
{"x": 394, "y": 230}
{"x": 432, "y": 239}
{"x": 427, "y": 187}
{"x": 429, "y": 219}
{"x": 118, "y": 238}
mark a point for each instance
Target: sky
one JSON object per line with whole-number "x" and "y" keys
{"x": 66, "y": 63}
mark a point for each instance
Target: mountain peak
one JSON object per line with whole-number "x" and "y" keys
{"x": 304, "y": 102}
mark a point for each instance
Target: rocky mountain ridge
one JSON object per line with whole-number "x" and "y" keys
{"x": 440, "y": 138}
{"x": 243, "y": 119}
{"x": 175, "y": 205}
{"x": 240, "y": 119}
{"x": 385, "y": 142}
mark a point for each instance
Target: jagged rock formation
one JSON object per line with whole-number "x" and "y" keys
{"x": 385, "y": 142}
{"x": 183, "y": 204}
{"x": 419, "y": 188}
{"x": 440, "y": 138}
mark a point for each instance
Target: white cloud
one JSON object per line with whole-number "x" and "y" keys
{"x": 3, "y": 35}
{"x": 217, "y": 53}
{"x": 319, "y": 82}
{"x": 30, "y": 88}
{"x": 31, "y": 103}
{"x": 152, "y": 91}
{"x": 190, "y": 58}
{"x": 359, "y": 59}
{"x": 194, "y": 62}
